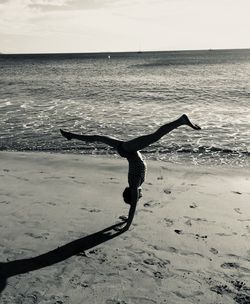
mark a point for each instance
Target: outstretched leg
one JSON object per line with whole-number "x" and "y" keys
{"x": 113, "y": 142}
{"x": 142, "y": 142}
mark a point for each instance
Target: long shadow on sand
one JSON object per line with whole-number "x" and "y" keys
{"x": 62, "y": 253}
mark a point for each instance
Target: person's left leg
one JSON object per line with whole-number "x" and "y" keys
{"x": 144, "y": 141}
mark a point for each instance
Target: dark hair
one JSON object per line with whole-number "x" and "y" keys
{"x": 127, "y": 195}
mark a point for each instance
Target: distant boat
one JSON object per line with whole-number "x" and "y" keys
{"x": 109, "y": 56}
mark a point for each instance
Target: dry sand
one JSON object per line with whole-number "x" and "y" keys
{"x": 189, "y": 241}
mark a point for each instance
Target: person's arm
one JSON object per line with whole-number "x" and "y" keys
{"x": 134, "y": 200}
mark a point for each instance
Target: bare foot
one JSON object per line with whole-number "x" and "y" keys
{"x": 189, "y": 123}
{"x": 66, "y": 134}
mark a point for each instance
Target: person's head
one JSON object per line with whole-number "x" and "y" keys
{"x": 127, "y": 197}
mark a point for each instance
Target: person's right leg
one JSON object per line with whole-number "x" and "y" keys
{"x": 142, "y": 142}
{"x": 113, "y": 142}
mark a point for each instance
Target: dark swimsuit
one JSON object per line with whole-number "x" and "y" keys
{"x": 123, "y": 153}
{"x": 137, "y": 167}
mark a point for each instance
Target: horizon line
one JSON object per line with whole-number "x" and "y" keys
{"x": 132, "y": 52}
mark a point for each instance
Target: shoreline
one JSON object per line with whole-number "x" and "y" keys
{"x": 182, "y": 161}
{"x": 188, "y": 243}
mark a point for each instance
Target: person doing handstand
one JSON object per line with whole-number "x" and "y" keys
{"x": 130, "y": 150}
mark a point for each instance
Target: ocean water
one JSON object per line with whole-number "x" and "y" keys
{"x": 128, "y": 95}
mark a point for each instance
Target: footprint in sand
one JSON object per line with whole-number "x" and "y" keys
{"x": 238, "y": 284}
{"x": 234, "y": 266}
{"x": 35, "y": 236}
{"x": 188, "y": 222}
{"x": 32, "y": 298}
{"x": 145, "y": 210}
{"x": 75, "y": 281}
{"x": 237, "y": 210}
{"x": 94, "y": 210}
{"x": 178, "y": 231}
{"x": 242, "y": 298}
{"x": 101, "y": 256}
{"x": 95, "y": 251}
{"x": 236, "y": 192}
{"x": 159, "y": 263}
{"x": 230, "y": 265}
{"x": 168, "y": 222}
{"x": 151, "y": 204}
{"x": 193, "y": 205}
{"x": 51, "y": 203}
{"x": 220, "y": 289}
{"x": 149, "y": 261}
{"x": 90, "y": 210}
{"x": 172, "y": 250}
{"x": 198, "y": 236}
{"x": 197, "y": 219}
{"x": 57, "y": 299}
{"x": 214, "y": 250}
{"x": 5, "y": 202}
{"x": 158, "y": 275}
{"x": 167, "y": 191}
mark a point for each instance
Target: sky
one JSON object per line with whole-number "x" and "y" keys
{"x": 62, "y": 26}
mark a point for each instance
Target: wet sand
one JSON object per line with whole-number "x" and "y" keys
{"x": 189, "y": 241}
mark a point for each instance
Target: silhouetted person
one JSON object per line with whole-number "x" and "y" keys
{"x": 130, "y": 151}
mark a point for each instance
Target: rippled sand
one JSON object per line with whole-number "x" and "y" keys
{"x": 189, "y": 241}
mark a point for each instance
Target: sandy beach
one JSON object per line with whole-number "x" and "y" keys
{"x": 188, "y": 243}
